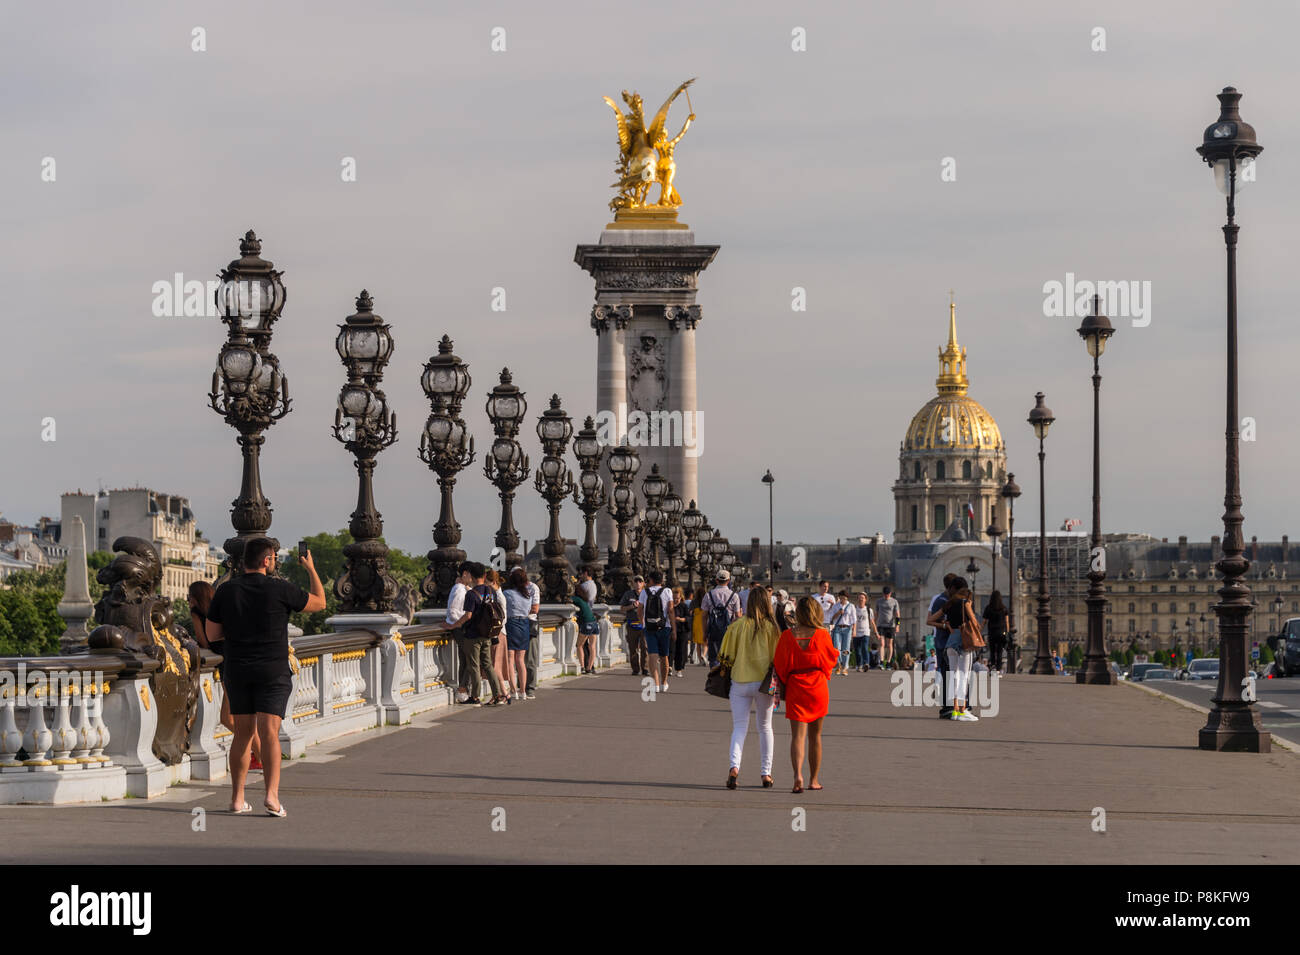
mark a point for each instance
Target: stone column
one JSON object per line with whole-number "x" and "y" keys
{"x": 650, "y": 276}
{"x": 684, "y": 468}
{"x": 75, "y": 608}
{"x": 610, "y": 323}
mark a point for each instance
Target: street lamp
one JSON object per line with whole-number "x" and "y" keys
{"x": 624, "y": 462}
{"x": 1010, "y": 491}
{"x": 365, "y": 426}
{"x": 1229, "y": 146}
{"x": 248, "y": 389}
{"x": 447, "y": 447}
{"x": 507, "y": 465}
{"x": 554, "y": 482}
{"x": 653, "y": 489}
{"x": 672, "y": 508}
{"x": 589, "y": 494}
{"x": 1041, "y": 419}
{"x": 771, "y": 532}
{"x": 1095, "y": 332}
{"x": 692, "y": 520}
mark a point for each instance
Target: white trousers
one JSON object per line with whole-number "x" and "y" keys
{"x": 745, "y": 697}
{"x": 959, "y": 664}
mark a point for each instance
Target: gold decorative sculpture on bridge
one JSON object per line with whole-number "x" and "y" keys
{"x": 646, "y": 158}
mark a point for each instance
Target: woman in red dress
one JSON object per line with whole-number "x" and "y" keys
{"x": 804, "y": 660}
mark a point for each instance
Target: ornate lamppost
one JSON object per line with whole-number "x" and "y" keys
{"x": 248, "y": 389}
{"x": 507, "y": 465}
{"x": 589, "y": 494}
{"x": 365, "y": 426}
{"x": 672, "y": 508}
{"x": 972, "y": 569}
{"x": 1229, "y": 146}
{"x": 1095, "y": 332}
{"x": 1041, "y": 419}
{"x": 718, "y": 547}
{"x": 624, "y": 462}
{"x": 994, "y": 532}
{"x": 1010, "y": 491}
{"x": 653, "y": 489}
{"x": 447, "y": 447}
{"x": 692, "y": 519}
{"x": 554, "y": 482}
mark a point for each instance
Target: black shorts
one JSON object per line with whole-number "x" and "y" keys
{"x": 886, "y": 633}
{"x": 258, "y": 689}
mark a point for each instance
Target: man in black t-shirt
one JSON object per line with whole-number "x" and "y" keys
{"x": 476, "y": 645}
{"x": 250, "y": 611}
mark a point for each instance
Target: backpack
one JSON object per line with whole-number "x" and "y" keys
{"x": 719, "y": 619}
{"x": 654, "y": 609}
{"x": 488, "y": 619}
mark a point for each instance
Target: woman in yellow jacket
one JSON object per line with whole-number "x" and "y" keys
{"x": 749, "y": 646}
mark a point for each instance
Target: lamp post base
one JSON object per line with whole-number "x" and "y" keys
{"x": 1095, "y": 670}
{"x": 1234, "y": 727}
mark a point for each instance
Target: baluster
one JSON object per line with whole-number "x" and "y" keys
{"x": 38, "y": 738}
{"x": 99, "y": 729}
{"x": 63, "y": 739}
{"x": 84, "y": 732}
{"x": 10, "y": 739}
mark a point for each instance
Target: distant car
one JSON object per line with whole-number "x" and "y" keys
{"x": 1206, "y": 669}
{"x": 1137, "y": 671}
{"x": 1286, "y": 649}
{"x": 1157, "y": 673}
{"x": 1115, "y": 668}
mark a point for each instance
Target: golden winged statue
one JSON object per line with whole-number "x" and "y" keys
{"x": 646, "y": 153}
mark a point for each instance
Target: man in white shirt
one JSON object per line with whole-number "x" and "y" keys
{"x": 842, "y": 618}
{"x": 825, "y": 601}
{"x": 533, "y": 657}
{"x": 456, "y": 610}
{"x": 743, "y": 594}
{"x": 863, "y": 631}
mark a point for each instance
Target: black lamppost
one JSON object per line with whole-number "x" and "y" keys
{"x": 447, "y": 447}
{"x": 1095, "y": 332}
{"x": 704, "y": 558}
{"x": 692, "y": 521}
{"x": 247, "y": 387}
{"x": 672, "y": 508}
{"x": 771, "y": 525}
{"x": 1041, "y": 418}
{"x": 624, "y": 462}
{"x": 1233, "y": 723}
{"x": 994, "y": 532}
{"x": 554, "y": 483}
{"x": 507, "y": 465}
{"x": 1277, "y": 614}
{"x": 653, "y": 489}
{"x": 589, "y": 494}
{"x": 1010, "y": 491}
{"x": 365, "y": 426}
{"x": 972, "y": 569}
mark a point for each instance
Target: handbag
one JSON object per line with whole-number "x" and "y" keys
{"x": 718, "y": 682}
{"x": 971, "y": 638}
{"x": 771, "y": 683}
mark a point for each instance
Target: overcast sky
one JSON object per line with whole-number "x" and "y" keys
{"x": 821, "y": 169}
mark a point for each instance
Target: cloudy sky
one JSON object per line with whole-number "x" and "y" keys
{"x": 479, "y": 169}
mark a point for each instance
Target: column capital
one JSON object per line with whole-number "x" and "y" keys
{"x": 603, "y": 317}
{"x": 682, "y": 316}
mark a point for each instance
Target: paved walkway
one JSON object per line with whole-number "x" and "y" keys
{"x": 589, "y": 772}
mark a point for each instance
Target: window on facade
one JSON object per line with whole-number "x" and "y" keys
{"x": 1155, "y": 608}
{"x": 988, "y": 469}
{"x": 1109, "y": 621}
{"x": 916, "y": 470}
{"x": 1155, "y": 626}
{"x": 938, "y": 470}
{"x": 965, "y": 470}
{"x": 914, "y": 524}
{"x": 1191, "y": 607}
{"x": 1071, "y": 626}
{"x": 1173, "y": 607}
{"x": 1173, "y": 588}
{"x": 1132, "y": 608}
{"x": 1132, "y": 626}
{"x": 103, "y": 532}
{"x": 940, "y": 516}
{"x": 104, "y": 515}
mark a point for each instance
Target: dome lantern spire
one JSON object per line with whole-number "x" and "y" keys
{"x": 952, "y": 358}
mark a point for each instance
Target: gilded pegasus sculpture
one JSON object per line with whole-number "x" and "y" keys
{"x": 646, "y": 152}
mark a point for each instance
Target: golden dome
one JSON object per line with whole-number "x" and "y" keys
{"x": 952, "y": 421}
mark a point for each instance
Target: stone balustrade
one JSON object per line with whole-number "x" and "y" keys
{"x": 84, "y": 727}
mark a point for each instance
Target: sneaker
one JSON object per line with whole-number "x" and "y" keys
{"x": 955, "y": 715}
{"x": 968, "y": 717}
{"x": 530, "y": 695}
{"x": 681, "y": 673}
{"x": 945, "y": 712}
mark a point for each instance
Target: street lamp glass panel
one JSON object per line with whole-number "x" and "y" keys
{"x": 504, "y": 407}
{"x": 591, "y": 483}
{"x": 1244, "y": 173}
{"x": 586, "y": 446}
{"x": 620, "y": 461}
{"x": 552, "y": 429}
{"x": 437, "y": 430}
{"x": 623, "y": 497}
{"x": 505, "y": 452}
{"x": 355, "y": 400}
{"x": 551, "y": 468}
{"x": 653, "y": 515}
{"x": 654, "y": 485}
{"x": 239, "y": 365}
